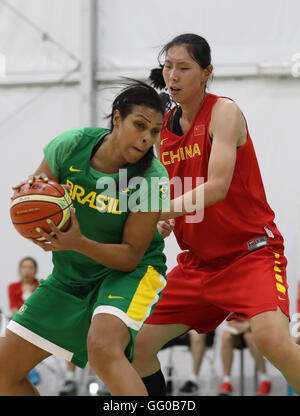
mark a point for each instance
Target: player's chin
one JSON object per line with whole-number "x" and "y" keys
{"x": 134, "y": 155}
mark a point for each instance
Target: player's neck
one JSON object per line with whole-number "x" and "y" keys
{"x": 191, "y": 108}
{"x": 108, "y": 158}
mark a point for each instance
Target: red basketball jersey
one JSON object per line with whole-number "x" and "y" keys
{"x": 229, "y": 227}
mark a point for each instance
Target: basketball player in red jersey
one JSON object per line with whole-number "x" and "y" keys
{"x": 233, "y": 263}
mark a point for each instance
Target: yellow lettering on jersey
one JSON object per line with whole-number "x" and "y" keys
{"x": 90, "y": 198}
{"x": 114, "y": 210}
{"x": 182, "y": 153}
{"x": 176, "y": 156}
{"x": 102, "y": 203}
{"x": 69, "y": 183}
{"x": 78, "y": 192}
{"x": 101, "y": 206}
{"x": 188, "y": 151}
{"x": 165, "y": 162}
{"x": 111, "y": 202}
{"x": 196, "y": 150}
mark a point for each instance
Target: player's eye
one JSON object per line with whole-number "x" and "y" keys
{"x": 155, "y": 132}
{"x": 140, "y": 125}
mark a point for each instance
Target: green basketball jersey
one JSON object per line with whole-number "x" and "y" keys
{"x": 102, "y": 202}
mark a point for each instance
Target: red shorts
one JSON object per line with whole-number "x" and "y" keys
{"x": 202, "y": 295}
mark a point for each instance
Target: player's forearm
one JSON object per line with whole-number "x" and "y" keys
{"x": 115, "y": 256}
{"x": 200, "y": 197}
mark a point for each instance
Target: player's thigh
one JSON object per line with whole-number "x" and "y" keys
{"x": 151, "y": 338}
{"x": 18, "y": 356}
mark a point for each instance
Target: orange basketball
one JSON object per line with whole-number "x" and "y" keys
{"x": 37, "y": 202}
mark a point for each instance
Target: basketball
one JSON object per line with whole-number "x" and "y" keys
{"x": 37, "y": 202}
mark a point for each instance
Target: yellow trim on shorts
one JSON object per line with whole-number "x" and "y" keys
{"x": 146, "y": 295}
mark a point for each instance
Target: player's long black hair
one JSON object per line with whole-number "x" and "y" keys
{"x": 197, "y": 47}
{"x": 138, "y": 93}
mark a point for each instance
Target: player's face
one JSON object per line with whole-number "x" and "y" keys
{"x": 27, "y": 270}
{"x": 184, "y": 77}
{"x": 138, "y": 132}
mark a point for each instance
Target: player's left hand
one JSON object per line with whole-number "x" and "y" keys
{"x": 60, "y": 240}
{"x": 166, "y": 227}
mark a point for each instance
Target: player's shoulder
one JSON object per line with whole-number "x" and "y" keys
{"x": 224, "y": 109}
{"x": 79, "y": 132}
{"x": 95, "y": 132}
{"x": 226, "y": 105}
{"x": 77, "y": 135}
{"x": 71, "y": 133}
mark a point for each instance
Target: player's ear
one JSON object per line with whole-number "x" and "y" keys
{"x": 116, "y": 118}
{"x": 207, "y": 72}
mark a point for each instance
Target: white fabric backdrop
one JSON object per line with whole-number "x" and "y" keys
{"x": 238, "y": 31}
{"x": 23, "y": 43}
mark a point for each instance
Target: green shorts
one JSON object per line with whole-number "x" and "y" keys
{"x": 57, "y": 317}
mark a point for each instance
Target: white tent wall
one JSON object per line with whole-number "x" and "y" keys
{"x": 39, "y": 37}
{"x": 247, "y": 38}
{"x": 23, "y": 138}
{"x": 239, "y": 32}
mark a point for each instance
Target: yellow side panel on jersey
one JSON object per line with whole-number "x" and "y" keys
{"x": 146, "y": 295}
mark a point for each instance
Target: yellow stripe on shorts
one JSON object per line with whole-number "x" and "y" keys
{"x": 146, "y": 295}
{"x": 281, "y": 288}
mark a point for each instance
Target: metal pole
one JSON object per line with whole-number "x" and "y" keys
{"x": 242, "y": 371}
{"x": 88, "y": 62}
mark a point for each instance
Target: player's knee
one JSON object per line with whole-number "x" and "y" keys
{"x": 102, "y": 352}
{"x": 226, "y": 338}
{"x": 272, "y": 346}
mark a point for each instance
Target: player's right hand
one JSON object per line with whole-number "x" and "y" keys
{"x": 166, "y": 227}
{"x": 29, "y": 180}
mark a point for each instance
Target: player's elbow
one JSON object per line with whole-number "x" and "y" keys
{"x": 131, "y": 262}
{"x": 129, "y": 266}
{"x": 221, "y": 191}
{"x": 222, "y": 194}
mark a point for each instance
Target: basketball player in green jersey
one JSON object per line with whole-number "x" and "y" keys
{"x": 109, "y": 267}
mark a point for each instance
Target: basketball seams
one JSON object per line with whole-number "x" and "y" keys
{"x": 59, "y": 190}
{"x": 61, "y": 210}
{"x": 44, "y": 198}
{"x": 32, "y": 206}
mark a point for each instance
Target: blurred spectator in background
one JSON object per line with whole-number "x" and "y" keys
{"x": 231, "y": 338}
{"x": 198, "y": 345}
{"x": 19, "y": 291}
